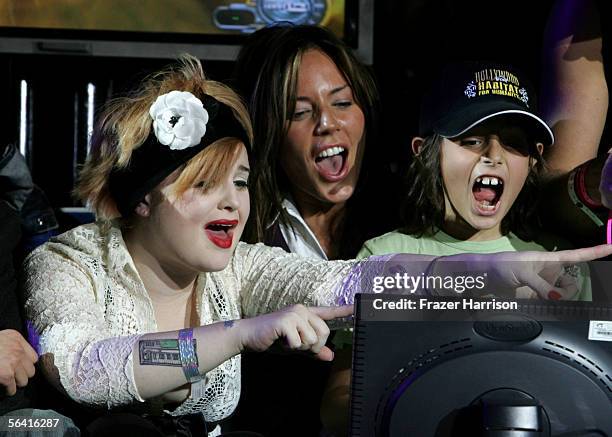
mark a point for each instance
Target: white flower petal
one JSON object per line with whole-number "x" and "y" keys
{"x": 163, "y": 136}
{"x": 199, "y": 129}
{"x": 194, "y": 106}
{"x": 179, "y": 119}
{"x": 184, "y": 130}
{"x": 179, "y": 99}
{"x": 166, "y": 117}
{"x": 179, "y": 144}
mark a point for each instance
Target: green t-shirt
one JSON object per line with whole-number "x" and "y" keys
{"x": 441, "y": 244}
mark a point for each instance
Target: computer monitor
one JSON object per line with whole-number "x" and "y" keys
{"x": 208, "y": 29}
{"x": 537, "y": 369}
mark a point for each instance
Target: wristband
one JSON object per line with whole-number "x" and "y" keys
{"x": 187, "y": 354}
{"x": 571, "y": 190}
{"x": 582, "y": 192}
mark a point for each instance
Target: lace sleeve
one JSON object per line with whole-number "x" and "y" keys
{"x": 271, "y": 279}
{"x": 78, "y": 351}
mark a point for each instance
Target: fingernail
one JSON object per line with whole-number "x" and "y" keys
{"x": 554, "y": 295}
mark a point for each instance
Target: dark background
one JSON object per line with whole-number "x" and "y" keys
{"x": 412, "y": 38}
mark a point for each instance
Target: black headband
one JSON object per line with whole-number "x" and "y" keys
{"x": 152, "y": 162}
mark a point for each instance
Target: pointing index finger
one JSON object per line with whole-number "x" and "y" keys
{"x": 328, "y": 313}
{"x": 568, "y": 257}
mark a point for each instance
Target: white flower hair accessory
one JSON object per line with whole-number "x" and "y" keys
{"x": 179, "y": 119}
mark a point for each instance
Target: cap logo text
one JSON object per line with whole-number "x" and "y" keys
{"x": 499, "y": 82}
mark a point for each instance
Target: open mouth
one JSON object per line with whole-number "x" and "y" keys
{"x": 221, "y": 232}
{"x": 331, "y": 163}
{"x": 487, "y": 191}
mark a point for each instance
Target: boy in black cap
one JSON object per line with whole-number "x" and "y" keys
{"x": 475, "y": 176}
{"x": 472, "y": 185}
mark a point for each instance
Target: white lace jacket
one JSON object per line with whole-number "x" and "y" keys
{"x": 89, "y": 306}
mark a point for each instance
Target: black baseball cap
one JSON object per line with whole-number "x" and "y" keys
{"x": 466, "y": 94}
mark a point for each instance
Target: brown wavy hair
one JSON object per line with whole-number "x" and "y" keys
{"x": 423, "y": 209}
{"x": 266, "y": 75}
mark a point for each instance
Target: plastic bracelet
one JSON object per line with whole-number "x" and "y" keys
{"x": 582, "y": 192}
{"x": 609, "y": 229}
{"x": 187, "y": 354}
{"x": 571, "y": 190}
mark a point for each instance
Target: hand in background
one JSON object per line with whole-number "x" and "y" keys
{"x": 17, "y": 360}
{"x": 546, "y": 273}
{"x": 605, "y": 184}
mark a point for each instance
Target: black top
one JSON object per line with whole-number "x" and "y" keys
{"x": 10, "y": 318}
{"x": 10, "y": 232}
{"x": 281, "y": 393}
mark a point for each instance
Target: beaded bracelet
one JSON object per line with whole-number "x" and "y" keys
{"x": 571, "y": 190}
{"x": 188, "y": 356}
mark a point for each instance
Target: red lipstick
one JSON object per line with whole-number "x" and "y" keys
{"x": 221, "y": 232}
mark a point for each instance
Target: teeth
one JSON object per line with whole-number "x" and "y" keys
{"x": 489, "y": 180}
{"x": 486, "y": 206}
{"x": 218, "y": 225}
{"x": 331, "y": 152}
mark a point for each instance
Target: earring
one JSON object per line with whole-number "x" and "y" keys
{"x": 142, "y": 209}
